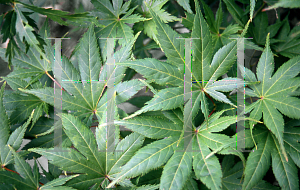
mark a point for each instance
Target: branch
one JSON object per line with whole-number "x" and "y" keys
{"x": 15, "y": 172}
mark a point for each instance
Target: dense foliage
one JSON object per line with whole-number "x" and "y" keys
{"x": 171, "y": 141}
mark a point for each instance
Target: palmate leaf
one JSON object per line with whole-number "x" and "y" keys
{"x": 269, "y": 151}
{"x": 288, "y": 40}
{"x": 179, "y": 161}
{"x": 271, "y": 96}
{"x": 30, "y": 63}
{"x": 232, "y": 176}
{"x": 14, "y": 139}
{"x": 85, "y": 87}
{"x": 29, "y": 68}
{"x": 149, "y": 26}
{"x": 110, "y": 15}
{"x": 26, "y": 31}
{"x": 206, "y": 68}
{"x": 91, "y": 160}
{"x": 261, "y": 21}
{"x": 27, "y": 178}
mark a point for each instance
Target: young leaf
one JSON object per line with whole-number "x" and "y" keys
{"x": 149, "y": 25}
{"x": 114, "y": 24}
{"x": 271, "y": 96}
{"x": 85, "y": 85}
{"x": 206, "y": 71}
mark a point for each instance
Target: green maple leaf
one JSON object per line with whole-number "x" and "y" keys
{"x": 219, "y": 39}
{"x": 261, "y": 21}
{"x": 96, "y": 165}
{"x": 114, "y": 16}
{"x": 288, "y": 40}
{"x": 149, "y": 26}
{"x": 28, "y": 178}
{"x": 232, "y": 176}
{"x": 29, "y": 69}
{"x": 268, "y": 150}
{"x": 179, "y": 164}
{"x": 14, "y": 139}
{"x": 207, "y": 69}
{"x": 274, "y": 93}
{"x": 29, "y": 64}
{"x": 89, "y": 98}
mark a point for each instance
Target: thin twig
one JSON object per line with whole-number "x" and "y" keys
{"x": 54, "y": 80}
{"x": 15, "y": 172}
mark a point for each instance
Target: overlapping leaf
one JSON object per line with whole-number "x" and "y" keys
{"x": 149, "y": 26}
{"x": 28, "y": 179}
{"x": 268, "y": 152}
{"x": 275, "y": 93}
{"x": 110, "y": 15}
{"x": 206, "y": 68}
{"x": 85, "y": 87}
{"x": 180, "y": 158}
{"x": 92, "y": 159}
{"x": 14, "y": 139}
{"x": 232, "y": 176}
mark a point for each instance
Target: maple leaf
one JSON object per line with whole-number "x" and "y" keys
{"x": 232, "y": 176}
{"x": 14, "y": 139}
{"x": 179, "y": 161}
{"x": 274, "y": 93}
{"x": 96, "y": 165}
{"x": 28, "y": 178}
{"x": 115, "y": 25}
{"x": 24, "y": 177}
{"x": 206, "y": 69}
{"x": 149, "y": 26}
{"x": 268, "y": 150}
{"x": 288, "y": 40}
{"x": 219, "y": 38}
{"x": 88, "y": 98}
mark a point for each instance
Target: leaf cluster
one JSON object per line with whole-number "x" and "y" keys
{"x": 185, "y": 135}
